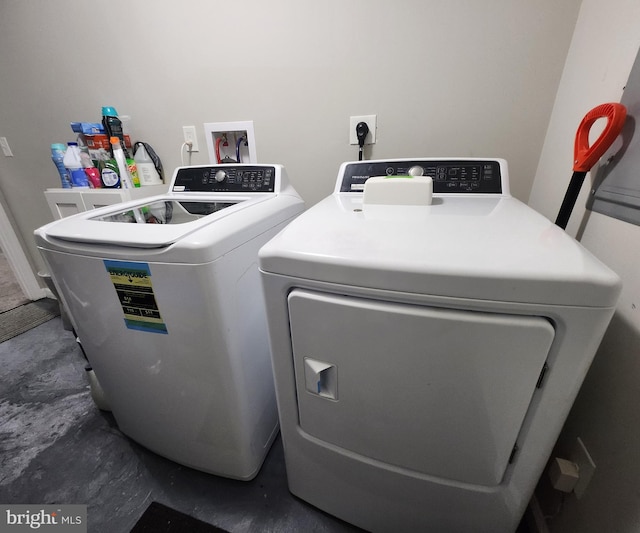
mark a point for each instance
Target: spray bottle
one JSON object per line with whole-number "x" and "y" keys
{"x": 125, "y": 178}
{"x": 112, "y": 124}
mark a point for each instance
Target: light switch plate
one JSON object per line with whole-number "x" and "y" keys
{"x": 5, "y": 147}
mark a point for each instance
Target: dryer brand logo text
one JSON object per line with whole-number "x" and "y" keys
{"x": 46, "y": 518}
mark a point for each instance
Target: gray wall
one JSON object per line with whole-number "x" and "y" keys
{"x": 606, "y": 414}
{"x": 455, "y": 77}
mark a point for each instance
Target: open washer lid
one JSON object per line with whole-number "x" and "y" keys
{"x": 466, "y": 244}
{"x": 200, "y": 195}
{"x": 153, "y": 223}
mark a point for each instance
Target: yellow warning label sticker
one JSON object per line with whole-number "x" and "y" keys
{"x": 134, "y": 288}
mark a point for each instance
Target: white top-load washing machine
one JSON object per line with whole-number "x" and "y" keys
{"x": 164, "y": 294}
{"x": 426, "y": 356}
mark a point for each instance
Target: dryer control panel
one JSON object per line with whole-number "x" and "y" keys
{"x": 458, "y": 176}
{"x": 225, "y": 178}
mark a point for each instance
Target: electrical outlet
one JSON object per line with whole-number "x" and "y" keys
{"x": 5, "y": 147}
{"x": 586, "y": 467}
{"x": 371, "y": 122}
{"x": 189, "y": 133}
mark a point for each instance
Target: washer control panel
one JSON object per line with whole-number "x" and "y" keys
{"x": 461, "y": 176}
{"x": 225, "y": 178}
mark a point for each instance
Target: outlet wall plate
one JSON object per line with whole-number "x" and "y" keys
{"x": 189, "y": 133}
{"x": 371, "y": 122}
{"x": 586, "y": 467}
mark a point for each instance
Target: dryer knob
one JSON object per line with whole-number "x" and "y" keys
{"x": 221, "y": 175}
{"x": 416, "y": 171}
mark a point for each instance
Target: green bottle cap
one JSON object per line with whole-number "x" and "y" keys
{"x": 109, "y": 112}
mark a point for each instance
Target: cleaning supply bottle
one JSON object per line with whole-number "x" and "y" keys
{"x": 125, "y": 177}
{"x": 133, "y": 171}
{"x": 93, "y": 174}
{"x": 118, "y": 154}
{"x": 73, "y": 164}
{"x": 146, "y": 169}
{"x": 109, "y": 173}
{"x": 57, "y": 156}
{"x": 113, "y": 125}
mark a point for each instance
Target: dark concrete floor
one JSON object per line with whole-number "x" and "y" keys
{"x": 56, "y": 447}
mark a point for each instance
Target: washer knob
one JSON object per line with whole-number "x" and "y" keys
{"x": 416, "y": 171}
{"x": 220, "y": 175}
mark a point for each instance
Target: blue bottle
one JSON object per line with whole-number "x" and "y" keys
{"x": 57, "y": 156}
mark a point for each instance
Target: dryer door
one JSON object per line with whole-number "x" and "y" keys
{"x": 437, "y": 391}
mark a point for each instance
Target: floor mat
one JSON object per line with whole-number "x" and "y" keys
{"x": 11, "y": 295}
{"x": 159, "y": 518}
{"x": 23, "y": 318}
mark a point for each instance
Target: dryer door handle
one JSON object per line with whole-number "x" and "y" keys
{"x": 321, "y": 378}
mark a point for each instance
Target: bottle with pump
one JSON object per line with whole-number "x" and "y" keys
{"x": 118, "y": 154}
{"x": 73, "y": 164}
{"x": 57, "y": 156}
{"x": 146, "y": 169}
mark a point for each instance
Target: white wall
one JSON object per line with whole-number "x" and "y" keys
{"x": 606, "y": 414}
{"x": 455, "y": 78}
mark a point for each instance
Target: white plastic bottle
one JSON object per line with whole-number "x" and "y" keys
{"x": 73, "y": 164}
{"x": 146, "y": 169}
{"x": 123, "y": 169}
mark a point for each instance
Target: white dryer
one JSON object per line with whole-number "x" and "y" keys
{"x": 426, "y": 356}
{"x": 164, "y": 294}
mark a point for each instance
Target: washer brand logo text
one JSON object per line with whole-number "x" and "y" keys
{"x": 58, "y": 518}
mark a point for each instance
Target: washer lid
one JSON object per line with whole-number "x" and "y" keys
{"x": 489, "y": 248}
{"x": 155, "y": 222}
